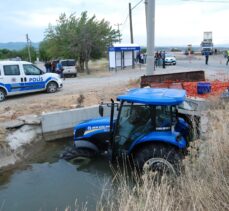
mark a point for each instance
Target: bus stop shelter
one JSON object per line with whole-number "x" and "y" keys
{"x": 120, "y": 55}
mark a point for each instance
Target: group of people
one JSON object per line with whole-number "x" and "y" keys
{"x": 54, "y": 66}
{"x": 160, "y": 59}
{"x": 141, "y": 58}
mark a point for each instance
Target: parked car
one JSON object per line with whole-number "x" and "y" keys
{"x": 20, "y": 77}
{"x": 69, "y": 66}
{"x": 170, "y": 59}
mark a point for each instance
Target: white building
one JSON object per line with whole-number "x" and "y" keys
{"x": 120, "y": 55}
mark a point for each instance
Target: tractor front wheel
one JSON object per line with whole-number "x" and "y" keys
{"x": 73, "y": 153}
{"x": 159, "y": 159}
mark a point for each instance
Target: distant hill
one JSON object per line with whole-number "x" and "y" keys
{"x": 222, "y": 46}
{"x": 21, "y": 45}
{"x": 17, "y": 45}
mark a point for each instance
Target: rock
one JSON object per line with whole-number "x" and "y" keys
{"x": 13, "y": 124}
{"x": 23, "y": 136}
{"x": 30, "y": 119}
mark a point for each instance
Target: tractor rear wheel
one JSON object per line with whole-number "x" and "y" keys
{"x": 75, "y": 153}
{"x": 159, "y": 159}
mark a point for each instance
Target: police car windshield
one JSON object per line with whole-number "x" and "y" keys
{"x": 168, "y": 55}
{"x": 68, "y": 63}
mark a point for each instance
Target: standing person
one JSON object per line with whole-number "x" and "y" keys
{"x": 46, "y": 66}
{"x": 144, "y": 58}
{"x": 141, "y": 58}
{"x": 60, "y": 69}
{"x": 227, "y": 57}
{"x": 163, "y": 59}
{"x": 160, "y": 59}
{"x": 53, "y": 66}
{"x": 206, "y": 57}
{"x": 138, "y": 58}
{"x": 157, "y": 58}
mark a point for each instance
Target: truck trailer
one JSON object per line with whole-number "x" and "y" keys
{"x": 207, "y": 44}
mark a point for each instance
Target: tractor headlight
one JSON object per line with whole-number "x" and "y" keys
{"x": 179, "y": 137}
{"x": 79, "y": 132}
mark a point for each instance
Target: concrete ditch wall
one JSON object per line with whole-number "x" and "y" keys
{"x": 57, "y": 125}
{"x": 18, "y": 136}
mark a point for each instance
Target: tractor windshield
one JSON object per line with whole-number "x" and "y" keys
{"x": 137, "y": 120}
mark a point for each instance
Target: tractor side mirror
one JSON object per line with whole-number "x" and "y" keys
{"x": 101, "y": 109}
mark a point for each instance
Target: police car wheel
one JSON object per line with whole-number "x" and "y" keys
{"x": 51, "y": 87}
{"x": 2, "y": 95}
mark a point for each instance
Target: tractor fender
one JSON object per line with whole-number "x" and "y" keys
{"x": 86, "y": 145}
{"x": 174, "y": 139}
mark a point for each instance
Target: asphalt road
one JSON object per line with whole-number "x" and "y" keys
{"x": 216, "y": 69}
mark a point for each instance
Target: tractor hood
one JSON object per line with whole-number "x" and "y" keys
{"x": 92, "y": 126}
{"x": 94, "y": 123}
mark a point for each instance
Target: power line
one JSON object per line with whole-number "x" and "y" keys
{"x": 137, "y": 4}
{"x": 127, "y": 16}
{"x": 119, "y": 35}
{"x": 125, "y": 19}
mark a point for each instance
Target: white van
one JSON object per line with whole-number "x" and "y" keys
{"x": 69, "y": 66}
{"x": 19, "y": 77}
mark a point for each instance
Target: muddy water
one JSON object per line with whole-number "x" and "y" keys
{"x": 44, "y": 182}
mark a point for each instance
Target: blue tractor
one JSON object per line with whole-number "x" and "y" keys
{"x": 144, "y": 125}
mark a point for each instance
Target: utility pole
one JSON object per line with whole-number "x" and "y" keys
{"x": 131, "y": 26}
{"x": 119, "y": 35}
{"x": 28, "y": 46}
{"x": 150, "y": 26}
{"x": 131, "y": 32}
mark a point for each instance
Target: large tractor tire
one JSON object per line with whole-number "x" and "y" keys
{"x": 158, "y": 158}
{"x": 73, "y": 153}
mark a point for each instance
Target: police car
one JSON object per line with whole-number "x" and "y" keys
{"x": 20, "y": 77}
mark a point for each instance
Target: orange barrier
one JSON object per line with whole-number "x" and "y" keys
{"x": 217, "y": 88}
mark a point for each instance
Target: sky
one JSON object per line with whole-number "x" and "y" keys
{"x": 177, "y": 22}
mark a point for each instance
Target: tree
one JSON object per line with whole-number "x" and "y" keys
{"x": 23, "y": 54}
{"x": 80, "y": 38}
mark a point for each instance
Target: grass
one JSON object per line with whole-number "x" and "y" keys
{"x": 204, "y": 185}
{"x": 97, "y": 68}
